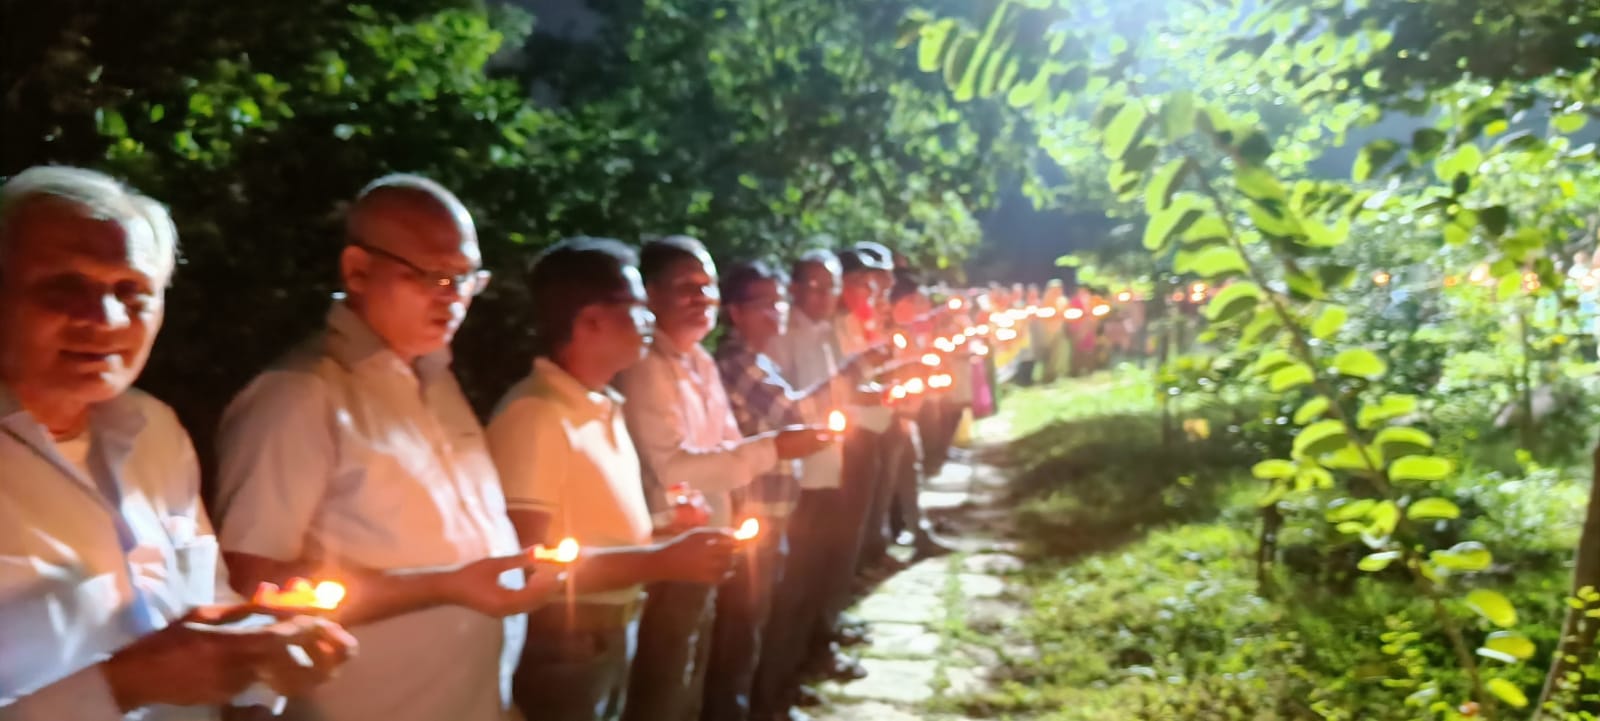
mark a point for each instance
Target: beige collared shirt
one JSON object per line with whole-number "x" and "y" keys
{"x": 343, "y": 452}
{"x": 852, "y": 340}
{"x": 683, "y": 427}
{"x": 95, "y": 555}
{"x": 564, "y": 450}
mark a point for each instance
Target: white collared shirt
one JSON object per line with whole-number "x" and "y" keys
{"x": 683, "y": 427}
{"x": 564, "y": 450}
{"x": 90, "y": 562}
{"x": 807, "y": 354}
{"x": 344, "y": 454}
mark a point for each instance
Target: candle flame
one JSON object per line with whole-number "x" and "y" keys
{"x": 898, "y": 392}
{"x": 900, "y": 340}
{"x": 1073, "y": 313}
{"x": 836, "y": 422}
{"x": 930, "y": 359}
{"x": 565, "y": 552}
{"x": 915, "y": 386}
{"x": 299, "y": 593}
{"x": 1124, "y": 296}
{"x": 955, "y": 304}
{"x": 1102, "y": 309}
{"x": 747, "y": 530}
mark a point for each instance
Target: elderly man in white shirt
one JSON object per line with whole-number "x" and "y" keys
{"x": 683, "y": 426}
{"x": 358, "y": 457}
{"x": 108, "y": 567}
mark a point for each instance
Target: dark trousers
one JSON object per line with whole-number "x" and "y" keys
{"x": 861, "y": 479}
{"x": 797, "y": 604}
{"x": 669, "y": 669}
{"x": 894, "y": 502}
{"x": 575, "y": 663}
{"x": 744, "y": 606}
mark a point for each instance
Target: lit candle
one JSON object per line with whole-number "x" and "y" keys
{"x": 300, "y": 594}
{"x": 1073, "y": 313}
{"x": 930, "y": 359}
{"x": 898, "y": 392}
{"x": 1005, "y": 334}
{"x": 915, "y": 386}
{"x": 944, "y": 344}
{"x": 747, "y": 530}
{"x": 1102, "y": 309}
{"x": 1124, "y": 296}
{"x": 955, "y": 304}
{"x": 836, "y": 421}
{"x": 565, "y": 552}
{"x": 900, "y": 340}
{"x": 1047, "y": 312}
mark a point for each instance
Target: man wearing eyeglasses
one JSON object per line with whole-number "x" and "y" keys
{"x": 358, "y": 458}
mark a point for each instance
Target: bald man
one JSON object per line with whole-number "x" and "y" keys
{"x": 357, "y": 457}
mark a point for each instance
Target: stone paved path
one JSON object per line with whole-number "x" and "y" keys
{"x": 927, "y": 621}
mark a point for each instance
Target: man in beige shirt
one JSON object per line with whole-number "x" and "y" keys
{"x": 358, "y": 457}
{"x": 683, "y": 426}
{"x": 570, "y": 471}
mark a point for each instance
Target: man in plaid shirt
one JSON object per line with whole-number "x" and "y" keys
{"x": 756, "y": 306}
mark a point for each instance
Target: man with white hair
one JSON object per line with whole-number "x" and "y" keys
{"x": 357, "y": 457}
{"x": 108, "y": 565}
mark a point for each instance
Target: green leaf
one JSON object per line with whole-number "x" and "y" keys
{"x": 1425, "y": 142}
{"x": 1290, "y": 377}
{"x": 1213, "y": 263}
{"x": 1494, "y": 219}
{"x": 1569, "y": 123}
{"x": 1329, "y": 322}
{"x": 1311, "y": 410}
{"x": 1373, "y": 157}
{"x": 1346, "y": 509}
{"x": 1491, "y": 604}
{"x": 1207, "y": 227}
{"x": 157, "y": 112}
{"x": 110, "y": 123}
{"x": 1374, "y": 562}
{"x": 749, "y": 181}
{"x": 1167, "y": 223}
{"x": 1466, "y": 556}
{"x": 1464, "y": 161}
{"x": 955, "y": 66}
{"x": 1123, "y": 129}
{"x": 931, "y": 47}
{"x": 1259, "y": 184}
{"x": 1433, "y": 509}
{"x": 1274, "y": 493}
{"x": 1177, "y": 115}
{"x": 1273, "y": 469}
{"x": 1158, "y": 194}
{"x": 1399, "y": 441}
{"x": 1321, "y": 437}
{"x": 1351, "y": 458}
{"x": 1360, "y": 363}
{"x": 1507, "y": 692}
{"x": 1425, "y": 469}
{"x": 1387, "y": 407}
{"x": 1272, "y": 360}
{"x": 1255, "y": 148}
{"x": 1512, "y": 644}
{"x": 1233, "y": 300}
{"x": 1385, "y": 516}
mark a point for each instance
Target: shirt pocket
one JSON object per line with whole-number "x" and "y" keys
{"x": 196, "y": 563}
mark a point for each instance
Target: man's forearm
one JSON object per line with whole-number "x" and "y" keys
{"x": 369, "y": 595}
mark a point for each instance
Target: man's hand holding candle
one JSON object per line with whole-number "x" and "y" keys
{"x": 700, "y": 555}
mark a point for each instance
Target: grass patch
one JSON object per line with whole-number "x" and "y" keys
{"x": 1142, "y": 589}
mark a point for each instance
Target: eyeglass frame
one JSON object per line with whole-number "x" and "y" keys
{"x": 435, "y": 278}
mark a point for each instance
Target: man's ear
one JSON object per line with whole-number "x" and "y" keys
{"x": 354, "y": 264}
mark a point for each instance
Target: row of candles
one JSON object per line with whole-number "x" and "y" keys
{"x": 304, "y": 595}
